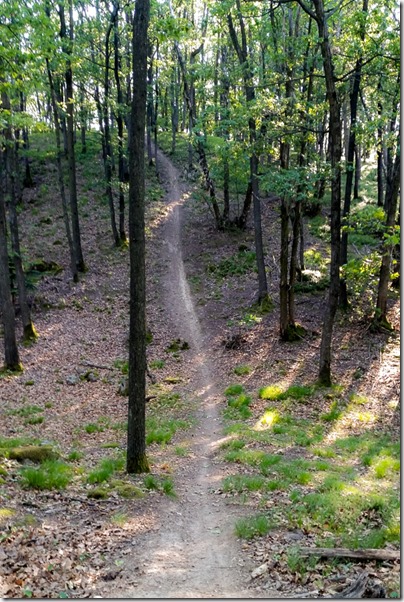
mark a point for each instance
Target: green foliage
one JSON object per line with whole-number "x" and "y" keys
{"x": 105, "y": 469}
{"x": 232, "y": 390}
{"x": 93, "y": 428}
{"x": 240, "y": 401}
{"x": 361, "y": 275}
{"x": 122, "y": 365}
{"x": 274, "y": 392}
{"x": 333, "y": 414}
{"x": 236, "y": 265}
{"x": 161, "y": 430}
{"x": 167, "y": 487}
{"x": 51, "y": 474}
{"x": 240, "y": 483}
{"x": 254, "y": 526}
{"x": 271, "y": 392}
{"x": 26, "y": 411}
{"x": 242, "y": 370}
{"x": 157, "y": 364}
{"x": 319, "y": 227}
{"x": 75, "y": 456}
{"x": 177, "y": 345}
{"x": 151, "y": 482}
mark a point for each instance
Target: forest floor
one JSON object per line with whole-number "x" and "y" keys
{"x": 171, "y": 534}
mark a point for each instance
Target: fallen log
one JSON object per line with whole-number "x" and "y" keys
{"x": 369, "y": 554}
{"x": 363, "y": 587}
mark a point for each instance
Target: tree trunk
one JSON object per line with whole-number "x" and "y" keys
{"x": 11, "y": 355}
{"x": 283, "y": 285}
{"x": 391, "y": 201}
{"x": 78, "y": 253}
{"x": 358, "y": 171}
{"x": 335, "y": 152}
{"x": 66, "y": 217}
{"x": 136, "y": 452}
{"x": 107, "y": 132}
{"x": 120, "y": 123}
{"x": 30, "y": 333}
{"x": 174, "y": 108}
{"x": 149, "y": 110}
{"x": 28, "y": 181}
{"x": 353, "y": 103}
{"x": 242, "y": 53}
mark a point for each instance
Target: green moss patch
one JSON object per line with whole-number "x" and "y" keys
{"x": 34, "y": 453}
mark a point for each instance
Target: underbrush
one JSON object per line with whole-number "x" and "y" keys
{"x": 343, "y": 490}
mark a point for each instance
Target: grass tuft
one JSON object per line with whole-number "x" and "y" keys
{"x": 52, "y": 474}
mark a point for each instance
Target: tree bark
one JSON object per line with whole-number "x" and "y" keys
{"x": 11, "y": 355}
{"x": 120, "y": 123}
{"x": 242, "y": 53}
{"x": 107, "y": 132}
{"x": 353, "y": 103}
{"x": 67, "y": 47}
{"x": 59, "y": 152}
{"x": 391, "y": 201}
{"x": 136, "y": 452}
{"x": 367, "y": 554}
{"x": 335, "y": 152}
{"x": 30, "y": 333}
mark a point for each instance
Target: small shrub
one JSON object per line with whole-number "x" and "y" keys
{"x": 234, "y": 390}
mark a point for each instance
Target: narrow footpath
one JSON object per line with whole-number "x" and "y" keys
{"x": 193, "y": 552}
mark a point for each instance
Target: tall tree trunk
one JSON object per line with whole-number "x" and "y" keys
{"x": 199, "y": 144}
{"x": 11, "y": 355}
{"x": 27, "y": 181}
{"x": 74, "y": 212}
{"x": 174, "y": 108}
{"x": 353, "y": 104}
{"x": 380, "y": 180}
{"x": 391, "y": 201}
{"x": 150, "y": 104}
{"x": 136, "y": 452}
{"x": 30, "y": 333}
{"x": 335, "y": 152}
{"x": 107, "y": 132}
{"x": 223, "y": 130}
{"x": 66, "y": 217}
{"x": 242, "y": 54}
{"x": 120, "y": 123}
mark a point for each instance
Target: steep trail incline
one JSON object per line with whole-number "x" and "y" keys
{"x": 193, "y": 552}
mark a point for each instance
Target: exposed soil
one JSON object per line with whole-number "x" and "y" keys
{"x": 182, "y": 547}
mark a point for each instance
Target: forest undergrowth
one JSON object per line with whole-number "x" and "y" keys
{"x": 309, "y": 466}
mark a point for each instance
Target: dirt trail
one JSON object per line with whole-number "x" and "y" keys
{"x": 193, "y": 552}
